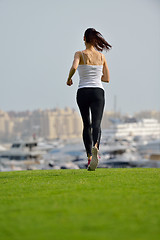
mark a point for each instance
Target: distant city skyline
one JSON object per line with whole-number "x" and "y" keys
{"x": 57, "y": 123}
{"x": 39, "y": 39}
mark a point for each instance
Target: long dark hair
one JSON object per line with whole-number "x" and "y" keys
{"x": 96, "y": 39}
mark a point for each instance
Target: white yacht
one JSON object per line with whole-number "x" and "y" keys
{"x": 135, "y": 128}
{"x": 23, "y": 150}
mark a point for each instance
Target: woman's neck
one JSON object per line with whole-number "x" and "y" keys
{"x": 89, "y": 47}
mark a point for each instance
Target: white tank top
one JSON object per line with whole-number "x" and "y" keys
{"x": 90, "y": 75}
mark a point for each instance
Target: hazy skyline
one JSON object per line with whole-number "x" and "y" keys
{"x": 39, "y": 38}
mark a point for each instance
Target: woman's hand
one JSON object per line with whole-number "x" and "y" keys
{"x": 69, "y": 82}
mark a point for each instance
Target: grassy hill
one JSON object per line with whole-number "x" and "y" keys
{"x": 77, "y": 204}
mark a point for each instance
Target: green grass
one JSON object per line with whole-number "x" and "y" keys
{"x": 76, "y": 204}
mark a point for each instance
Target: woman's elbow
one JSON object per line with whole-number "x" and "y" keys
{"x": 74, "y": 68}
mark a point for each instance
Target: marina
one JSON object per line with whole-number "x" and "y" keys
{"x": 128, "y": 144}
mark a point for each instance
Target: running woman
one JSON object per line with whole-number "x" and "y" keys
{"x": 93, "y": 70}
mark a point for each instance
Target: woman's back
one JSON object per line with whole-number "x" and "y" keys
{"x": 89, "y": 57}
{"x": 90, "y": 69}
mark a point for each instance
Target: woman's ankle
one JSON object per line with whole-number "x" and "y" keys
{"x": 89, "y": 156}
{"x": 96, "y": 145}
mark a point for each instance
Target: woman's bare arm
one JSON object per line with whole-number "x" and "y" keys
{"x": 73, "y": 68}
{"x": 105, "y": 76}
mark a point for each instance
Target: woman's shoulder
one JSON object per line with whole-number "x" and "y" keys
{"x": 78, "y": 53}
{"x": 103, "y": 58}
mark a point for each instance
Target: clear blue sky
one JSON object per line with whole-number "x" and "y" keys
{"x": 39, "y": 37}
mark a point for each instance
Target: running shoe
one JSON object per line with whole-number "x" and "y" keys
{"x": 94, "y": 162}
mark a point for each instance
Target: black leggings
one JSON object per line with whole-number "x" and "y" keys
{"x": 91, "y": 100}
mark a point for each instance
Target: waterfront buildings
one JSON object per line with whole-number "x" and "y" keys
{"x": 48, "y": 124}
{"x": 54, "y": 123}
